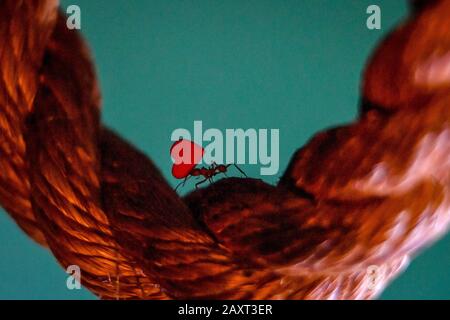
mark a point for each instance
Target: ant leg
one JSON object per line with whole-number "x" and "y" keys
{"x": 240, "y": 170}
{"x": 199, "y": 183}
{"x": 182, "y": 183}
{"x": 178, "y": 185}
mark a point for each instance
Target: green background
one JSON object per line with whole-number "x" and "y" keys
{"x": 291, "y": 65}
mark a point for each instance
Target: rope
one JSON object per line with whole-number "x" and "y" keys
{"x": 371, "y": 193}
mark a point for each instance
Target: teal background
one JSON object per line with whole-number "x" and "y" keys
{"x": 291, "y": 65}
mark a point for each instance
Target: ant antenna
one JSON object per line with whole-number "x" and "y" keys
{"x": 240, "y": 170}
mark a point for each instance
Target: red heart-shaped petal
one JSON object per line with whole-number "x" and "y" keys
{"x": 186, "y": 155}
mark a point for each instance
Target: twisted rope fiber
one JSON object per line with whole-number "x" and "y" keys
{"x": 373, "y": 192}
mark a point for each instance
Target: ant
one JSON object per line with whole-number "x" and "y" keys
{"x": 208, "y": 173}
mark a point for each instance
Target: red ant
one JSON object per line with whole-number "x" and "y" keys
{"x": 208, "y": 173}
